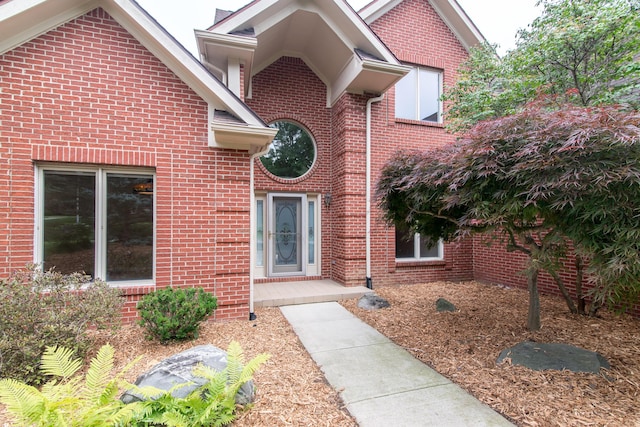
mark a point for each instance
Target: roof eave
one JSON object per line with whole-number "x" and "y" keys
{"x": 241, "y": 137}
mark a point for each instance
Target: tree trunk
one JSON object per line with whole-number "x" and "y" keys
{"x": 563, "y": 291}
{"x": 533, "y": 319}
{"x": 582, "y": 303}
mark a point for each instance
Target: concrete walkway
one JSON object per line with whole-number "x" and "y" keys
{"x": 381, "y": 383}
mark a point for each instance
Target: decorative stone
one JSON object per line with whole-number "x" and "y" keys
{"x": 542, "y": 356}
{"x": 371, "y": 301}
{"x": 444, "y": 305}
{"x": 178, "y": 368}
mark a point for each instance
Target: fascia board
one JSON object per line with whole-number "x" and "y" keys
{"x": 332, "y": 11}
{"x": 356, "y": 67}
{"x": 374, "y": 10}
{"x": 178, "y": 59}
{"x": 240, "y": 137}
{"x": 244, "y": 15}
{"x": 21, "y": 21}
{"x": 449, "y": 11}
{"x": 459, "y": 22}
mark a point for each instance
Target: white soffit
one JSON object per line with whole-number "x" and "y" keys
{"x": 325, "y": 34}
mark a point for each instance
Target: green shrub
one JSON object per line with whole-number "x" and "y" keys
{"x": 40, "y": 309}
{"x": 175, "y": 314}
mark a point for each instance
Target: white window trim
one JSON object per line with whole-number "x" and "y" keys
{"x": 417, "y": 94}
{"x": 416, "y": 250}
{"x": 100, "y": 212}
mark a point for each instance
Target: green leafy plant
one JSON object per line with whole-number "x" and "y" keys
{"x": 46, "y": 308}
{"x": 70, "y": 399}
{"x": 175, "y": 314}
{"x": 212, "y": 404}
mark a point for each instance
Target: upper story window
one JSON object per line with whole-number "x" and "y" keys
{"x": 413, "y": 247}
{"x": 292, "y": 151}
{"x": 418, "y": 95}
{"x": 97, "y": 221}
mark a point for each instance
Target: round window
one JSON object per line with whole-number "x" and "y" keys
{"x": 292, "y": 151}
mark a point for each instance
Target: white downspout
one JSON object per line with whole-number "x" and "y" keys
{"x": 252, "y": 225}
{"x": 369, "y": 281}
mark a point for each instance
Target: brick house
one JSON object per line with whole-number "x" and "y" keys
{"x": 125, "y": 157}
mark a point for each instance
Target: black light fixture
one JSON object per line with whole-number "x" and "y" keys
{"x": 327, "y": 200}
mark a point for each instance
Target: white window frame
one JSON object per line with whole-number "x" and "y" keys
{"x": 100, "y": 262}
{"x": 416, "y": 250}
{"x": 311, "y": 269}
{"x": 417, "y": 92}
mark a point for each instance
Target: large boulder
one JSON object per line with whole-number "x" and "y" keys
{"x": 543, "y": 356}
{"x": 178, "y": 368}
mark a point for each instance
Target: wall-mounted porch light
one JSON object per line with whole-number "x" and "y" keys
{"x": 327, "y": 200}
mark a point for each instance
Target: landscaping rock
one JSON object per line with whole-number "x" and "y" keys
{"x": 371, "y": 301}
{"x": 542, "y": 356}
{"x": 178, "y": 368}
{"x": 444, "y": 305}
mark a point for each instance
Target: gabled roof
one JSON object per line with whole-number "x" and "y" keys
{"x": 23, "y": 20}
{"x": 449, "y": 10}
{"x": 328, "y": 35}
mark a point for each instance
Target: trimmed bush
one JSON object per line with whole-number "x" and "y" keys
{"x": 40, "y": 309}
{"x": 170, "y": 314}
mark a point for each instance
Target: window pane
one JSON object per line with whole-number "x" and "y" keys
{"x": 429, "y": 95}
{"x": 259, "y": 233}
{"x": 312, "y": 233}
{"x": 405, "y": 244}
{"x": 406, "y": 96}
{"x": 292, "y": 152}
{"x": 69, "y": 222}
{"x": 429, "y": 249}
{"x": 129, "y": 227}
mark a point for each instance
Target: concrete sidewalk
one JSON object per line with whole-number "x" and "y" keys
{"x": 380, "y": 383}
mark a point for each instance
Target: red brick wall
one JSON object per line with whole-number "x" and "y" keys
{"x": 417, "y": 36}
{"x": 89, "y": 93}
{"x": 289, "y": 90}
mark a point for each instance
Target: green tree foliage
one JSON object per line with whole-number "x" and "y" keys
{"x": 577, "y": 53}
{"x": 292, "y": 152}
{"x": 536, "y": 177}
{"x": 585, "y": 52}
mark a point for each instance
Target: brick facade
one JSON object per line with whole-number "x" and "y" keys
{"x": 88, "y": 93}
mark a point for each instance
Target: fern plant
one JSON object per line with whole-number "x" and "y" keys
{"x": 92, "y": 400}
{"x": 70, "y": 399}
{"x": 213, "y": 403}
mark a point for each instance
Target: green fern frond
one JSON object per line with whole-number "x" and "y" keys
{"x": 235, "y": 360}
{"x": 21, "y": 400}
{"x": 252, "y": 367}
{"x": 99, "y": 373}
{"x": 59, "y": 362}
{"x": 176, "y": 419}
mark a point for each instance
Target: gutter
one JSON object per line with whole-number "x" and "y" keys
{"x": 369, "y": 281}
{"x": 252, "y": 224}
